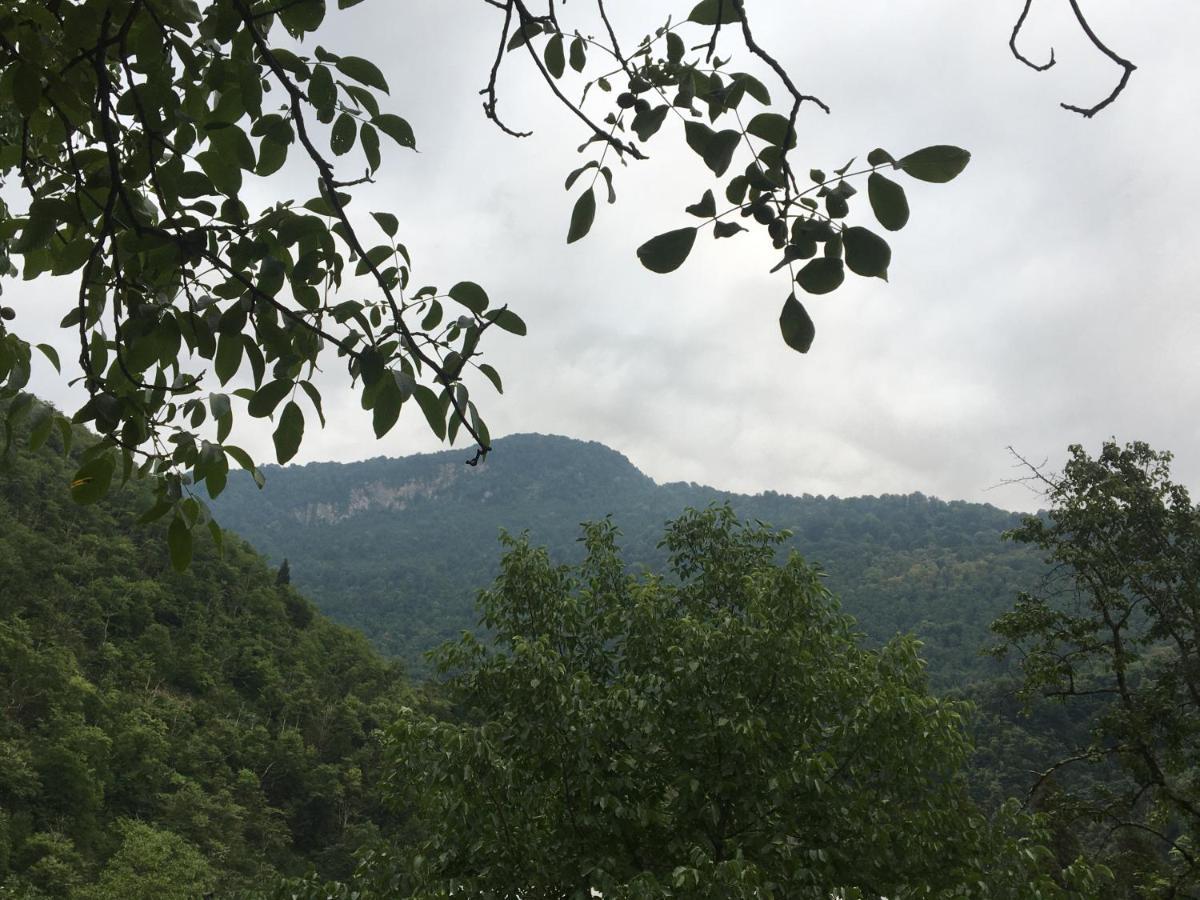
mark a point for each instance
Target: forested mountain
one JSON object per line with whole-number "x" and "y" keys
{"x": 166, "y": 735}
{"x": 398, "y": 547}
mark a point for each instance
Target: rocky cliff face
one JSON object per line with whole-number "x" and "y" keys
{"x": 380, "y": 495}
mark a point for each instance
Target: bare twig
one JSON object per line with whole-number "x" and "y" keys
{"x": 1012, "y": 43}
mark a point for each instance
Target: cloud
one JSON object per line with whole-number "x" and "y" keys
{"x": 1045, "y": 297}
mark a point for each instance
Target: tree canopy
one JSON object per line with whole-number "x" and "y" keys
{"x": 716, "y": 731}
{"x": 1116, "y": 635}
{"x": 141, "y": 129}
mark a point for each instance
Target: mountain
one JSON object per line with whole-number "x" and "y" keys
{"x": 399, "y": 547}
{"x": 163, "y": 734}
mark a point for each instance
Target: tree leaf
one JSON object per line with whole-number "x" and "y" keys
{"x": 388, "y": 222}
{"x": 645, "y": 124}
{"x": 582, "y": 215}
{"x": 667, "y": 252}
{"x": 880, "y": 157}
{"x": 179, "y": 543}
{"x": 470, "y": 295}
{"x": 727, "y": 229}
{"x": 363, "y": 71}
{"x": 269, "y": 396}
{"x": 796, "y": 325}
{"x": 507, "y": 319}
{"x": 772, "y": 128}
{"x": 708, "y": 12}
{"x": 719, "y": 152}
{"x": 341, "y": 141}
{"x": 867, "y": 254}
{"x": 888, "y": 202}
{"x": 523, "y": 33}
{"x": 396, "y": 128}
{"x": 706, "y": 208}
{"x": 435, "y": 415}
{"x": 289, "y": 432}
{"x": 385, "y": 412}
{"x": 937, "y": 164}
{"x": 554, "y": 56}
{"x": 92, "y": 479}
{"x": 821, "y": 275}
{"x": 578, "y": 54}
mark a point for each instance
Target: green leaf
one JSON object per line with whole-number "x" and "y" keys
{"x": 322, "y": 92}
{"x": 523, "y": 34}
{"x": 888, "y": 202}
{"x": 386, "y": 410}
{"x": 697, "y": 135}
{"x": 582, "y": 215}
{"x": 396, "y": 128}
{"x": 821, "y": 275}
{"x": 645, "y": 124}
{"x": 389, "y": 223}
{"x": 796, "y": 325}
{"x": 772, "y": 128}
{"x": 220, "y": 406}
{"x": 706, "y": 208}
{"x": 289, "y": 432}
{"x": 937, "y": 164}
{"x": 470, "y": 295}
{"x": 880, "y": 157}
{"x": 666, "y": 252}
{"x": 710, "y": 12}
{"x": 179, "y": 542}
{"x": 222, "y": 170}
{"x": 493, "y": 376}
{"x": 435, "y": 415}
{"x": 341, "y": 141}
{"x": 229, "y": 356}
{"x": 51, "y": 354}
{"x": 727, "y": 229}
{"x": 44, "y": 217}
{"x": 363, "y": 71}
{"x": 92, "y": 479}
{"x": 556, "y": 62}
{"x": 578, "y": 54}
{"x": 368, "y": 135}
{"x": 269, "y": 396}
{"x": 507, "y": 319}
{"x": 867, "y": 254}
{"x": 27, "y": 88}
{"x": 719, "y": 152}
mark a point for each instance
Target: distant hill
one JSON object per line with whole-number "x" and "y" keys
{"x": 399, "y": 547}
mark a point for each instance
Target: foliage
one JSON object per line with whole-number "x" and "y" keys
{"x": 898, "y": 563}
{"x": 138, "y": 128}
{"x": 717, "y": 733}
{"x": 1117, "y": 633}
{"x": 168, "y": 732}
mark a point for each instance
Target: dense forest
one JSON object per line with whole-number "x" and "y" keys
{"x": 398, "y": 547}
{"x": 167, "y": 734}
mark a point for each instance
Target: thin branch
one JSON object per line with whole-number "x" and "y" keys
{"x": 489, "y": 105}
{"x": 1012, "y": 43}
{"x": 1125, "y": 64}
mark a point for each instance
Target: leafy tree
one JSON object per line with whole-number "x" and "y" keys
{"x": 152, "y": 863}
{"x": 135, "y": 126}
{"x": 715, "y": 733}
{"x": 1117, "y": 634}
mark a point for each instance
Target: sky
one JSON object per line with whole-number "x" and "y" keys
{"x": 1047, "y": 296}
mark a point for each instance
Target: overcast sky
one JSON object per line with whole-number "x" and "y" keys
{"x": 1047, "y": 296}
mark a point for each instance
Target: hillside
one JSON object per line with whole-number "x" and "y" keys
{"x": 166, "y": 735}
{"x": 398, "y": 547}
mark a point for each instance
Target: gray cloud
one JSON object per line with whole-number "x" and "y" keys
{"x": 1047, "y": 296}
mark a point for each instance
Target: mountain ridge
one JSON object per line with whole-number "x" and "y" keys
{"x": 398, "y": 546}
